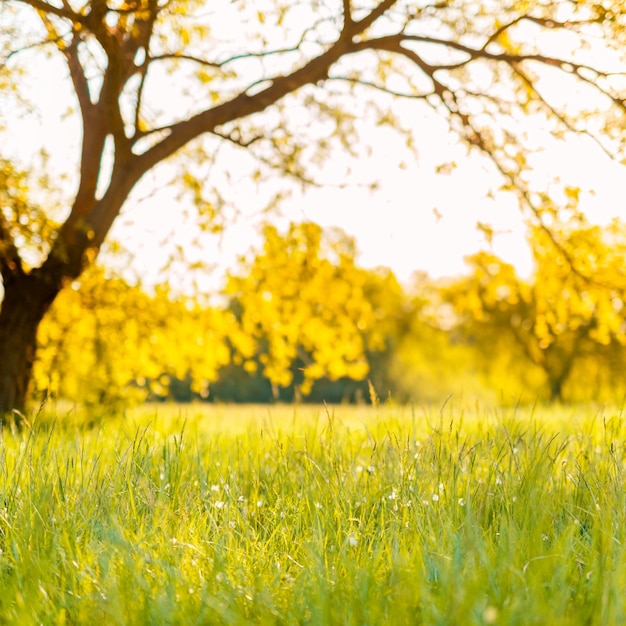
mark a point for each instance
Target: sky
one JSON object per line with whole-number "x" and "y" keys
{"x": 416, "y": 220}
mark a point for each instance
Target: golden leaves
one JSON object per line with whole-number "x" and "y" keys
{"x": 571, "y": 307}
{"x": 105, "y": 335}
{"x": 303, "y": 299}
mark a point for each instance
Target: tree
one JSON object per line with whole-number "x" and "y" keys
{"x": 104, "y": 342}
{"x": 302, "y": 300}
{"x": 256, "y": 84}
{"x": 559, "y": 316}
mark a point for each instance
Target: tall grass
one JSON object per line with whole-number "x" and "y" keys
{"x": 309, "y": 516}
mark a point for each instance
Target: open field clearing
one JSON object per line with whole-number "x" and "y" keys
{"x": 308, "y": 515}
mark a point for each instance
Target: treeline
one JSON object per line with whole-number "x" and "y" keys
{"x": 301, "y": 321}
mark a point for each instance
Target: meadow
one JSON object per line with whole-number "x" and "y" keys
{"x": 316, "y": 515}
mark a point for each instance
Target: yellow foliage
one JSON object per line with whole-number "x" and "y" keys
{"x": 103, "y": 338}
{"x": 573, "y": 304}
{"x": 303, "y": 299}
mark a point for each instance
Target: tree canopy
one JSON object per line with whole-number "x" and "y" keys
{"x": 287, "y": 82}
{"x": 304, "y": 299}
{"x": 557, "y": 318}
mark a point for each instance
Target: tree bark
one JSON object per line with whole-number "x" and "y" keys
{"x": 556, "y": 389}
{"x": 557, "y": 379}
{"x": 26, "y": 300}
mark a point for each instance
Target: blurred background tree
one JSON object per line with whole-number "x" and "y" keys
{"x": 306, "y": 306}
{"x": 106, "y": 342}
{"x": 560, "y": 321}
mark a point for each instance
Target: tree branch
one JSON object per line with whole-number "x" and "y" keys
{"x": 522, "y": 192}
{"x": 371, "y": 85}
{"x": 77, "y": 74}
{"x": 10, "y": 261}
{"x": 94, "y": 131}
{"x": 259, "y": 55}
{"x": 347, "y": 15}
{"x": 503, "y": 29}
{"x": 393, "y": 43}
{"x": 559, "y": 116}
{"x": 64, "y": 12}
{"x": 39, "y": 44}
{"x": 475, "y": 137}
{"x": 236, "y": 138}
{"x": 244, "y": 105}
{"x": 363, "y": 24}
{"x": 187, "y": 57}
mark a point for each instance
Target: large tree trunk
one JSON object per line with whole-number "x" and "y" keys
{"x": 26, "y": 300}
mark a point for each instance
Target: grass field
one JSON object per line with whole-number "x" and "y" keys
{"x": 308, "y": 515}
